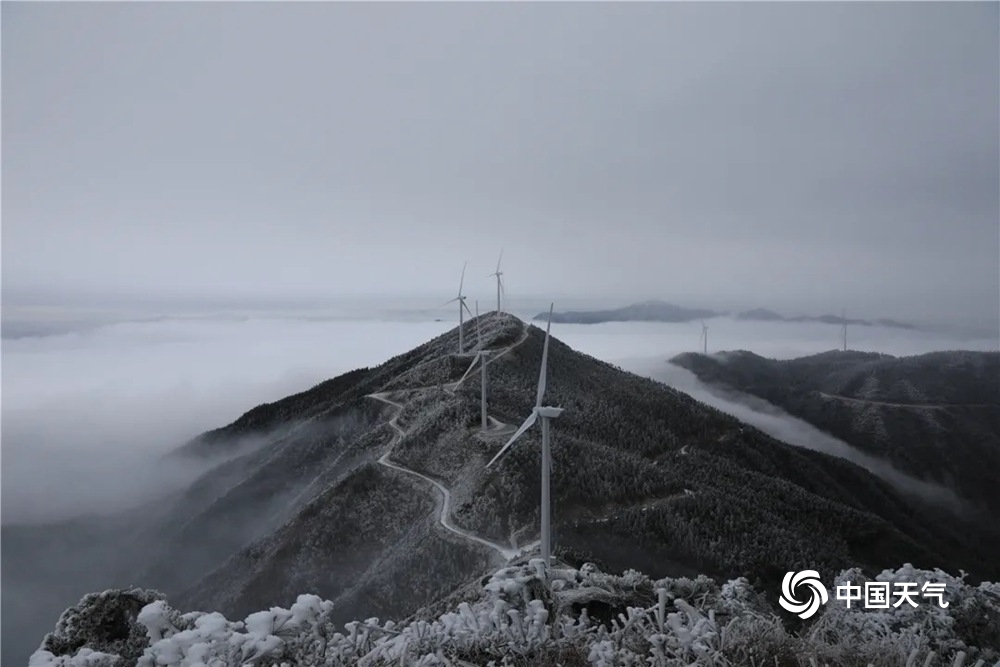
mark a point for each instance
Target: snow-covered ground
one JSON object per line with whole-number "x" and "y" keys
{"x": 444, "y": 509}
{"x": 525, "y": 615}
{"x": 508, "y": 552}
{"x": 102, "y": 402}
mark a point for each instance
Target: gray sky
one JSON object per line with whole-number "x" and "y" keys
{"x": 790, "y": 155}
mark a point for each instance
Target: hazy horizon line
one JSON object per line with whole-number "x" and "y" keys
{"x": 47, "y": 297}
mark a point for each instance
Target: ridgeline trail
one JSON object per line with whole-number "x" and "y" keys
{"x": 444, "y": 509}
{"x": 913, "y": 406}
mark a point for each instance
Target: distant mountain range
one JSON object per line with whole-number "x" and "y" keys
{"x": 661, "y": 311}
{"x": 765, "y": 315}
{"x": 647, "y": 311}
{"x": 341, "y": 491}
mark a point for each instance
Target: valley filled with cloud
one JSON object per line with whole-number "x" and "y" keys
{"x": 88, "y": 414}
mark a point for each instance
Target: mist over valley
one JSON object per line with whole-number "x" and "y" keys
{"x": 496, "y": 334}
{"x": 92, "y": 416}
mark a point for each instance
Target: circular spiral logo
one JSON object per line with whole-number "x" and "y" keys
{"x": 817, "y": 593}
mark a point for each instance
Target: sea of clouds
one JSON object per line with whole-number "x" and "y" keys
{"x": 87, "y": 413}
{"x": 93, "y": 400}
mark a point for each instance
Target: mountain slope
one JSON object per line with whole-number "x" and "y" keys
{"x": 935, "y": 416}
{"x": 328, "y": 491}
{"x": 643, "y": 476}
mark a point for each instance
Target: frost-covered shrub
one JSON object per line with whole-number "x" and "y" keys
{"x": 527, "y": 615}
{"x": 970, "y": 623}
{"x": 102, "y": 620}
{"x": 83, "y": 658}
{"x": 106, "y": 623}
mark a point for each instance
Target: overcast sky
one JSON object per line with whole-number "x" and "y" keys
{"x": 790, "y": 155}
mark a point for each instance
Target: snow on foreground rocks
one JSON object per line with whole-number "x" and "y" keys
{"x": 522, "y": 617}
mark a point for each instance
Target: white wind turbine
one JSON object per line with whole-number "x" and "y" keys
{"x": 546, "y": 413}
{"x": 481, "y": 356}
{"x": 461, "y": 307}
{"x": 704, "y": 338}
{"x": 843, "y": 329}
{"x": 498, "y": 273}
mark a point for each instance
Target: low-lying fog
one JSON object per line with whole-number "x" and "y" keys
{"x": 89, "y": 407}
{"x": 83, "y": 411}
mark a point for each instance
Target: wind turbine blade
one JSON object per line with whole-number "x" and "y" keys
{"x": 466, "y": 308}
{"x": 545, "y": 361}
{"x": 462, "y": 281}
{"x": 471, "y": 366}
{"x": 447, "y": 302}
{"x": 502, "y": 290}
{"x": 498, "y": 260}
{"x": 517, "y": 434}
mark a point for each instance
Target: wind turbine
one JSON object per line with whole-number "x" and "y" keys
{"x": 461, "y": 307}
{"x": 546, "y": 413}
{"x": 481, "y": 355}
{"x": 498, "y": 273}
{"x": 843, "y": 328}
{"x": 704, "y": 337}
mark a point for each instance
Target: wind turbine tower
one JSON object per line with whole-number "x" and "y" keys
{"x": 843, "y": 328}
{"x": 546, "y": 413}
{"x": 481, "y": 356}
{"x": 498, "y": 273}
{"x": 461, "y": 307}
{"x": 704, "y": 338}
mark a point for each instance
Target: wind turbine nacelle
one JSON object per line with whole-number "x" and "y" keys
{"x": 548, "y": 412}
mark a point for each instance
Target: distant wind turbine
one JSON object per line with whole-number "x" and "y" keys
{"x": 843, "y": 328}
{"x": 498, "y": 273}
{"x": 704, "y": 337}
{"x": 546, "y": 413}
{"x": 481, "y": 356}
{"x": 461, "y": 307}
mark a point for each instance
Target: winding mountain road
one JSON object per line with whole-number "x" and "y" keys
{"x": 444, "y": 514}
{"x": 914, "y": 406}
{"x": 452, "y": 386}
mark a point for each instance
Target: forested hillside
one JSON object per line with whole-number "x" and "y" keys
{"x": 643, "y": 476}
{"x": 345, "y": 490}
{"x": 935, "y": 416}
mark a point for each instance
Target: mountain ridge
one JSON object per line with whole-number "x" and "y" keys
{"x": 427, "y": 449}
{"x": 653, "y": 310}
{"x": 767, "y": 315}
{"x": 657, "y": 310}
{"x": 935, "y": 416}
{"x": 642, "y": 475}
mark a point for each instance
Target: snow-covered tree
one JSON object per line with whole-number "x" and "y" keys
{"x": 525, "y": 616}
